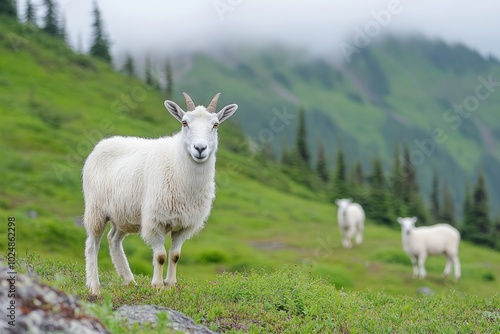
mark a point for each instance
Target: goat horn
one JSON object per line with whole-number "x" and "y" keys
{"x": 213, "y": 104}
{"x": 189, "y": 102}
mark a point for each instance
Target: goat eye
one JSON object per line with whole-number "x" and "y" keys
{"x": 216, "y": 125}
{"x": 184, "y": 123}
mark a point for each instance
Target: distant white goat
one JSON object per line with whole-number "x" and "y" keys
{"x": 152, "y": 187}
{"x": 420, "y": 242}
{"x": 351, "y": 220}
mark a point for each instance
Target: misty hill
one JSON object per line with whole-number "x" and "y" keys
{"x": 395, "y": 92}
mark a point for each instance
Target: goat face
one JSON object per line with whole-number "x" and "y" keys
{"x": 199, "y": 133}
{"x": 199, "y": 126}
{"x": 343, "y": 203}
{"x": 407, "y": 224}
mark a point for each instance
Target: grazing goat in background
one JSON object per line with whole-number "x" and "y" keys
{"x": 152, "y": 187}
{"x": 351, "y": 220}
{"x": 420, "y": 242}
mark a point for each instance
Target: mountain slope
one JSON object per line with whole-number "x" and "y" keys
{"x": 55, "y": 105}
{"x": 395, "y": 92}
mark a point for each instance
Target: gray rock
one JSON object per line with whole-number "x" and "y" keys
{"x": 32, "y": 214}
{"x": 39, "y": 308}
{"x": 425, "y": 291}
{"x": 144, "y": 314}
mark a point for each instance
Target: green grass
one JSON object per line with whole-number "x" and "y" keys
{"x": 289, "y": 300}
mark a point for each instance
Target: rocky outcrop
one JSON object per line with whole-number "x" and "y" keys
{"x": 148, "y": 314}
{"x": 29, "y": 306}
{"x": 33, "y": 307}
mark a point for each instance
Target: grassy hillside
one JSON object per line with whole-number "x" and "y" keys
{"x": 289, "y": 300}
{"x": 394, "y": 92}
{"x": 55, "y": 105}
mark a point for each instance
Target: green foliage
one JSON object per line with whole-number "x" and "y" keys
{"x": 448, "y": 213}
{"x": 51, "y": 25}
{"x": 338, "y": 182}
{"x": 302, "y": 148}
{"x": 8, "y": 8}
{"x": 100, "y": 44}
{"x": 30, "y": 14}
{"x": 435, "y": 210}
{"x": 392, "y": 256}
{"x": 321, "y": 164}
{"x": 290, "y": 299}
{"x": 262, "y": 219}
{"x": 128, "y": 67}
{"x": 395, "y": 183}
{"x": 477, "y": 227}
{"x": 169, "y": 79}
{"x": 377, "y": 208}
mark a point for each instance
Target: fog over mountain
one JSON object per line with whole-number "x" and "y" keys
{"x": 319, "y": 26}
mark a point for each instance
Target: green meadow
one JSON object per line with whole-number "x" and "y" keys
{"x": 269, "y": 258}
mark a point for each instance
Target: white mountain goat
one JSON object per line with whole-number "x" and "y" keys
{"x": 420, "y": 242}
{"x": 351, "y": 220}
{"x": 152, "y": 187}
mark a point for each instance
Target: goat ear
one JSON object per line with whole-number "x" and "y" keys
{"x": 174, "y": 109}
{"x": 400, "y": 220}
{"x": 414, "y": 219}
{"x": 337, "y": 201}
{"x": 226, "y": 112}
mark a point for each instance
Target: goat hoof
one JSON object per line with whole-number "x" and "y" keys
{"x": 157, "y": 285}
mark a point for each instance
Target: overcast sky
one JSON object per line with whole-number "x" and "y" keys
{"x": 320, "y": 26}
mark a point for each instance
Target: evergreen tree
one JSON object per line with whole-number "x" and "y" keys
{"x": 50, "y": 19}
{"x": 30, "y": 15}
{"x": 396, "y": 183}
{"x": 8, "y": 8}
{"x": 467, "y": 206}
{"x": 357, "y": 186}
{"x": 129, "y": 67}
{"x": 448, "y": 212}
{"x": 286, "y": 159}
{"x": 409, "y": 179}
{"x": 302, "y": 138}
{"x": 148, "y": 73}
{"x": 340, "y": 170}
{"x": 321, "y": 164}
{"x": 151, "y": 78}
{"x": 377, "y": 207}
{"x": 477, "y": 228}
{"x": 358, "y": 176}
{"x": 169, "y": 78}
{"x": 410, "y": 190}
{"x": 435, "y": 209}
{"x": 100, "y": 44}
{"x": 339, "y": 178}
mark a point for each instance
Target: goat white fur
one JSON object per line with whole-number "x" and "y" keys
{"x": 351, "y": 220}
{"x": 152, "y": 187}
{"x": 420, "y": 242}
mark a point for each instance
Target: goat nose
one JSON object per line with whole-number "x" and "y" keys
{"x": 200, "y": 148}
